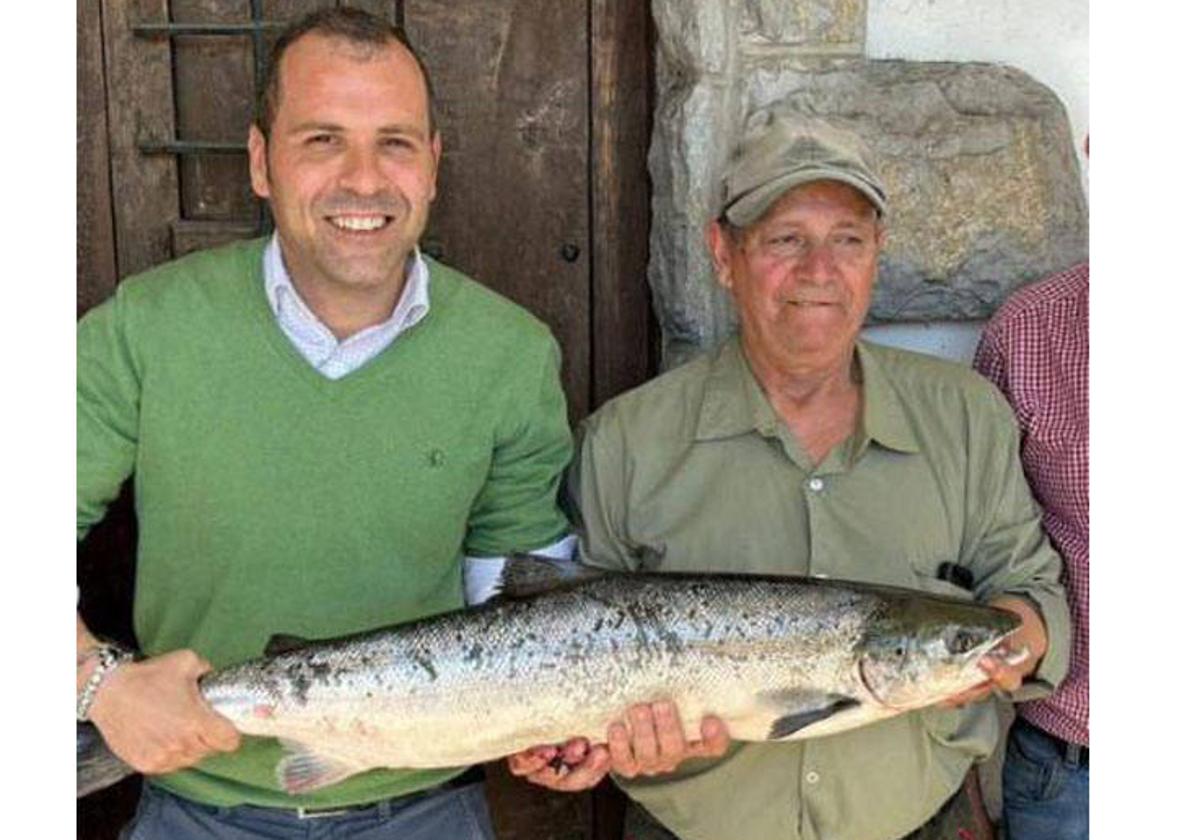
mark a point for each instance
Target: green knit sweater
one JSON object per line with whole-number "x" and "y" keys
{"x": 273, "y": 500}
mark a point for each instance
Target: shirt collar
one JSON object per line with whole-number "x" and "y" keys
{"x": 884, "y": 420}
{"x": 411, "y": 308}
{"x": 734, "y": 403}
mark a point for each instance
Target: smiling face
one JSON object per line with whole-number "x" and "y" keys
{"x": 351, "y": 166}
{"x": 801, "y": 276}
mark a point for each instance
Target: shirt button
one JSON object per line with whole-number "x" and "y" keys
{"x": 812, "y": 777}
{"x": 816, "y": 485}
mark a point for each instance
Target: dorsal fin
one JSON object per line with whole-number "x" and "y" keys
{"x": 529, "y": 574}
{"x": 282, "y": 643}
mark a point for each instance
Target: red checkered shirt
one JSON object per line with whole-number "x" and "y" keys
{"x": 1035, "y": 349}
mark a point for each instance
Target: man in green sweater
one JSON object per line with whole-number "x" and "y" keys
{"x": 320, "y": 427}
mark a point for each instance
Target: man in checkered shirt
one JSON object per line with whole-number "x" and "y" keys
{"x": 1036, "y": 350}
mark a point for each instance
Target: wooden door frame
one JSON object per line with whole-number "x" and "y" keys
{"x": 624, "y": 334}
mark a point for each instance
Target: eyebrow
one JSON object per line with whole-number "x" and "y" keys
{"x": 862, "y": 221}
{"x": 399, "y": 128}
{"x": 315, "y": 126}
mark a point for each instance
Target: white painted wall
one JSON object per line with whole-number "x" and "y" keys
{"x": 954, "y": 340}
{"x": 1048, "y": 39}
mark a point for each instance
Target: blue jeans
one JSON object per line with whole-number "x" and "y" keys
{"x": 1045, "y": 793}
{"x": 437, "y": 814}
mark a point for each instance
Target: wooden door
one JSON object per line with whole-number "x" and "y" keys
{"x": 544, "y": 108}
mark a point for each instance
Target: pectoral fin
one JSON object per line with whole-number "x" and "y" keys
{"x": 801, "y": 708}
{"x": 302, "y": 770}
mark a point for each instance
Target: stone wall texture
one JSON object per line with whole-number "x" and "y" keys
{"x": 982, "y": 179}
{"x": 821, "y": 23}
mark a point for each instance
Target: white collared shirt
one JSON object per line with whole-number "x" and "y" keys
{"x": 319, "y": 346}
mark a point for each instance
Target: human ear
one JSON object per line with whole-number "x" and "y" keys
{"x": 256, "y": 145}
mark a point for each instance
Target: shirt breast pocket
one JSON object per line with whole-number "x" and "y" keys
{"x": 941, "y": 577}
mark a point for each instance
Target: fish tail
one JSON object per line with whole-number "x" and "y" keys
{"x": 521, "y": 576}
{"x": 531, "y": 574}
{"x": 95, "y": 765}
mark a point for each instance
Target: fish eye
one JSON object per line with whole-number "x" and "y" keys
{"x": 961, "y": 642}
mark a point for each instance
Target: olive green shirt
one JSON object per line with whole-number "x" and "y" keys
{"x": 694, "y": 471}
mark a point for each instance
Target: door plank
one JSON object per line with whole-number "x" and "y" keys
{"x": 510, "y": 78}
{"x": 214, "y": 100}
{"x": 141, "y": 106}
{"x": 388, "y": 9}
{"x": 95, "y": 249}
{"x": 622, "y": 82}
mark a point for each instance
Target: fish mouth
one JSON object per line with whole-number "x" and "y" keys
{"x": 968, "y": 660}
{"x": 1009, "y": 655}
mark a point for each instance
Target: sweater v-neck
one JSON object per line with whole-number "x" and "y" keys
{"x": 380, "y": 367}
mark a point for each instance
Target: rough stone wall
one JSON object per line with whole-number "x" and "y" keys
{"x": 977, "y": 159}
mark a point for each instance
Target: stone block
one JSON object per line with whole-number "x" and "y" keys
{"x": 684, "y": 161}
{"x": 808, "y": 23}
{"x": 695, "y": 36}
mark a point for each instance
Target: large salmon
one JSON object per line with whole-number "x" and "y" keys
{"x": 565, "y": 650}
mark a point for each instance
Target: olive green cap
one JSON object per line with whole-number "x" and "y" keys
{"x": 783, "y": 147}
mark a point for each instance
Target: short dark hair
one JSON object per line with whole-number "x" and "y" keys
{"x": 349, "y": 24}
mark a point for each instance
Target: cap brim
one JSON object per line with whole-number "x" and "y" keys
{"x": 747, "y": 209}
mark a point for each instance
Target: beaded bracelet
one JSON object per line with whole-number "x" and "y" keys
{"x": 110, "y": 657}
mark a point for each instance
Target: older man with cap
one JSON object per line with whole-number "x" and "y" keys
{"x": 798, "y": 448}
